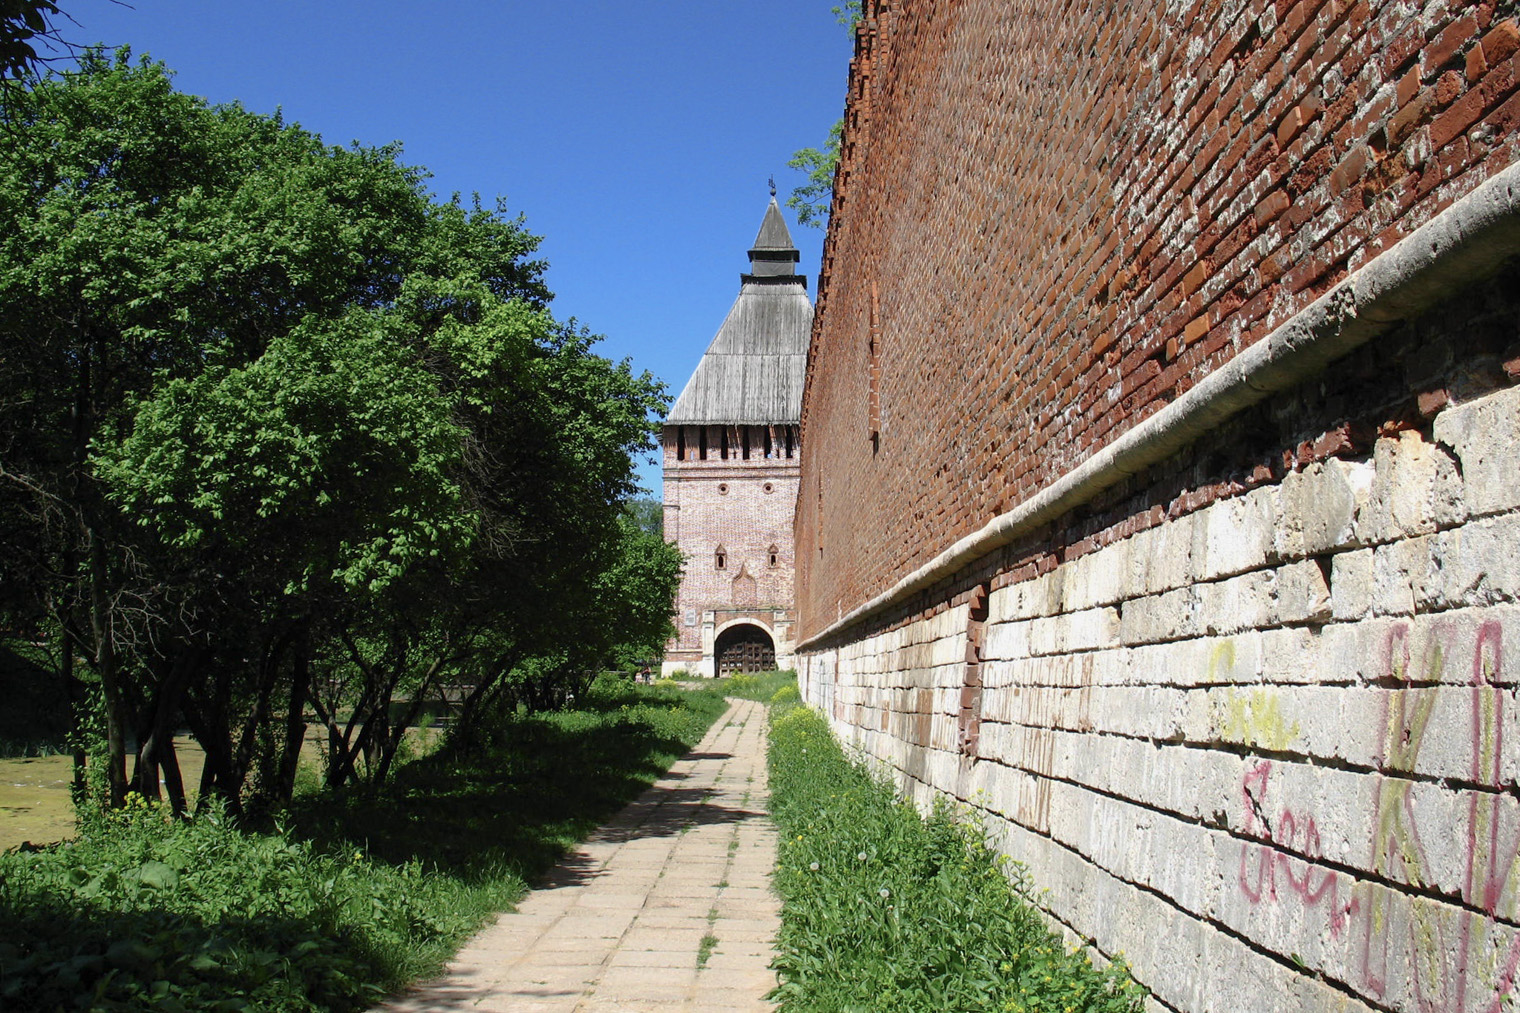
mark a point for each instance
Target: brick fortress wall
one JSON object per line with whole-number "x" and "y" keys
{"x": 1054, "y": 219}
{"x": 1249, "y": 713}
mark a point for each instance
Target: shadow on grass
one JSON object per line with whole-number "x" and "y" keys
{"x": 546, "y": 783}
{"x": 56, "y": 954}
{"x": 195, "y": 915}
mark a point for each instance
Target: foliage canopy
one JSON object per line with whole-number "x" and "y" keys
{"x": 282, "y": 433}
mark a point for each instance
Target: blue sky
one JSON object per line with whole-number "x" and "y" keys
{"x": 635, "y": 137}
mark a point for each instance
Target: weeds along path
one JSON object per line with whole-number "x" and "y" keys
{"x": 666, "y": 907}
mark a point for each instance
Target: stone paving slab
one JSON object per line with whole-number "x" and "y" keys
{"x": 620, "y": 923}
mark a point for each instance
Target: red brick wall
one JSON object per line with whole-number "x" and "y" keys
{"x": 1052, "y": 219}
{"x": 742, "y": 504}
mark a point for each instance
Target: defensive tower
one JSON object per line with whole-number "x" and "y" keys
{"x": 731, "y": 464}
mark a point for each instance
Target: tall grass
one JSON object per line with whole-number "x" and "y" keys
{"x": 762, "y": 686}
{"x": 885, "y": 910}
{"x": 357, "y": 894}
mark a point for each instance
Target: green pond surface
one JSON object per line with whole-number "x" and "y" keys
{"x": 34, "y": 794}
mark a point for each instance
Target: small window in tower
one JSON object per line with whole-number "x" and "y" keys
{"x": 722, "y": 488}
{"x": 775, "y": 555}
{"x": 768, "y": 487}
{"x": 720, "y": 559}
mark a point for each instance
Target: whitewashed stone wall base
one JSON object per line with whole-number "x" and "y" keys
{"x": 1268, "y": 751}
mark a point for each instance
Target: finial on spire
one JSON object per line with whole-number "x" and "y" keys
{"x": 773, "y": 185}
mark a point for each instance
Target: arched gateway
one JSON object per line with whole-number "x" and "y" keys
{"x": 744, "y": 647}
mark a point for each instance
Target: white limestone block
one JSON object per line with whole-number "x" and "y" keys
{"x": 1302, "y": 595}
{"x": 1416, "y": 490}
{"x": 1234, "y": 535}
{"x": 1485, "y": 436}
{"x": 1351, "y": 584}
{"x": 1237, "y": 603}
{"x": 1317, "y": 507}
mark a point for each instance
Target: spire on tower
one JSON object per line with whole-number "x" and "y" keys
{"x": 773, "y": 253}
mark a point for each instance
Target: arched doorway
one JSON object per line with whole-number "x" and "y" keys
{"x": 744, "y": 647}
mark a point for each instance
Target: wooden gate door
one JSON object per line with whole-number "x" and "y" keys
{"x": 745, "y": 649}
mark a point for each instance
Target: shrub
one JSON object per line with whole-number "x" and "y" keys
{"x": 885, "y": 910}
{"x": 148, "y": 912}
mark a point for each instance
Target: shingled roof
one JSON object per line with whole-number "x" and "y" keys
{"x": 752, "y": 372}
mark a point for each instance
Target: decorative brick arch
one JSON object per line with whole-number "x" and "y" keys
{"x": 741, "y": 621}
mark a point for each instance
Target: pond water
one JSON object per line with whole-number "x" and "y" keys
{"x": 34, "y": 794}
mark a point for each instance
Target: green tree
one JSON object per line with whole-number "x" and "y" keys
{"x": 23, "y": 22}
{"x": 281, "y": 432}
{"x": 646, "y": 514}
{"x": 811, "y": 200}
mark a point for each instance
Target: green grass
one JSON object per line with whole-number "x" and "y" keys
{"x": 885, "y": 910}
{"x": 762, "y": 686}
{"x": 358, "y": 894}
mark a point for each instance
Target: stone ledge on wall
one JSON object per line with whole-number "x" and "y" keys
{"x": 1277, "y": 724}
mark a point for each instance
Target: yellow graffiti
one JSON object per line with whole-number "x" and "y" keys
{"x": 1396, "y": 842}
{"x": 1221, "y": 659}
{"x": 1254, "y": 719}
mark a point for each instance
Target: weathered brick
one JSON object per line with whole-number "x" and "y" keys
{"x": 1449, "y": 42}
{"x": 1273, "y": 205}
{"x": 1501, "y": 42}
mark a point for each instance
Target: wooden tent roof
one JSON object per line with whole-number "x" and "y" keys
{"x": 752, "y": 372}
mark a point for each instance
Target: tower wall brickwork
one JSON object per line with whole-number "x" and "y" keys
{"x": 743, "y": 508}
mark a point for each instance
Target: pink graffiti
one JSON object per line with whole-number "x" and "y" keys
{"x": 1443, "y": 953}
{"x": 1274, "y": 865}
{"x": 1443, "y": 946}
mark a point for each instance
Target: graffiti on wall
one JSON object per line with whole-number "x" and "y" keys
{"x": 1450, "y": 959}
{"x": 1265, "y": 869}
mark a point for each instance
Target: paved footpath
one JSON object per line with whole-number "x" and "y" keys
{"x": 667, "y": 907}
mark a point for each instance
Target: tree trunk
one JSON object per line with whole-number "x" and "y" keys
{"x": 209, "y": 724}
{"x": 173, "y": 780}
{"x": 409, "y": 718}
{"x": 105, "y": 667}
{"x": 75, "y": 694}
{"x": 159, "y": 734}
{"x": 295, "y": 717}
